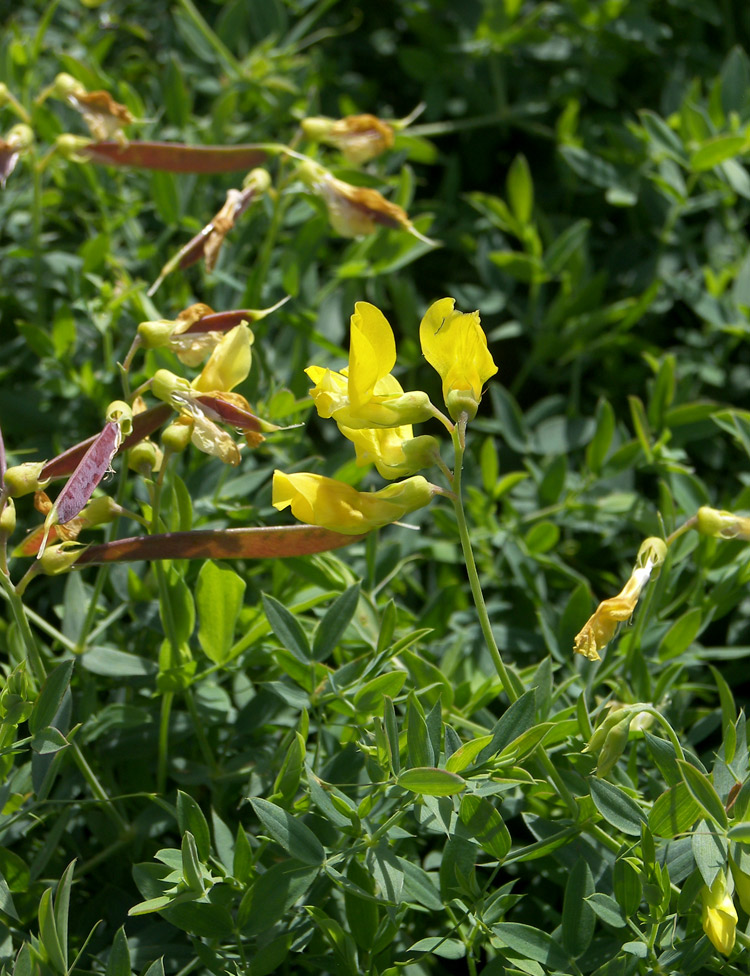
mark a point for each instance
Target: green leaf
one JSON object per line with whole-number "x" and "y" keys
{"x": 485, "y": 824}
{"x": 337, "y": 618}
{"x": 50, "y": 697}
{"x": 118, "y": 963}
{"x": 287, "y": 781}
{"x": 578, "y": 918}
{"x": 417, "y": 738}
{"x": 6, "y": 900}
{"x": 362, "y": 914}
{"x": 272, "y": 895}
{"x": 391, "y": 731}
{"x": 440, "y": 946}
{"x": 48, "y": 935}
{"x": 681, "y": 634}
{"x": 467, "y": 753}
{"x": 607, "y": 909}
{"x": 710, "y": 851}
{"x": 295, "y": 837}
{"x": 370, "y": 697}
{"x": 190, "y": 817}
{"x": 287, "y": 628}
{"x": 62, "y": 908}
{"x": 617, "y": 808}
{"x": 627, "y": 885}
{"x": 520, "y": 189}
{"x": 431, "y": 781}
{"x": 740, "y": 832}
{"x": 703, "y": 792}
{"x": 179, "y": 612}
{"x": 517, "y": 719}
{"x": 219, "y": 592}
{"x": 716, "y": 151}
{"x": 191, "y": 867}
{"x": 674, "y": 812}
{"x": 562, "y": 249}
{"x": 532, "y": 943}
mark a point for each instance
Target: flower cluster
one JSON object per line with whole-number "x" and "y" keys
{"x": 373, "y": 411}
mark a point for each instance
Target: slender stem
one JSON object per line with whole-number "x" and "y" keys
{"x": 200, "y": 734}
{"x": 96, "y": 787}
{"x": 19, "y": 613}
{"x": 471, "y": 566}
{"x": 683, "y": 528}
{"x": 161, "y": 769}
{"x": 594, "y": 830}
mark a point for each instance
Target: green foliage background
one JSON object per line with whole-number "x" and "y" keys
{"x": 583, "y": 166}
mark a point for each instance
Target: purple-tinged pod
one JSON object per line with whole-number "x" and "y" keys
{"x": 174, "y": 157}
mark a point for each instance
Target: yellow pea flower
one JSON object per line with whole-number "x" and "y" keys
{"x": 366, "y": 394}
{"x": 394, "y": 451}
{"x": 229, "y": 362}
{"x": 719, "y": 916}
{"x": 454, "y": 344}
{"x": 600, "y": 628}
{"x": 359, "y": 137}
{"x": 337, "y": 506}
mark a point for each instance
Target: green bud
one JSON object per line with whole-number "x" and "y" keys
{"x": 23, "y": 479}
{"x": 8, "y": 518}
{"x": 176, "y": 437}
{"x": 614, "y": 746}
{"x": 145, "y": 457}
{"x": 165, "y": 383}
{"x": 100, "y": 510}
{"x": 602, "y": 730}
{"x": 155, "y": 334}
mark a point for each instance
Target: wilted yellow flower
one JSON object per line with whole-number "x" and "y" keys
{"x": 601, "y": 626}
{"x": 359, "y": 137}
{"x": 719, "y": 916}
{"x": 341, "y": 508}
{"x": 454, "y": 344}
{"x": 228, "y": 365}
{"x": 102, "y": 114}
{"x": 722, "y": 524}
{"x": 19, "y": 139}
{"x": 366, "y": 394}
{"x": 355, "y": 210}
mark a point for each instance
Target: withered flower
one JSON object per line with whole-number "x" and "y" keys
{"x": 19, "y": 139}
{"x": 102, "y": 114}
{"x": 359, "y": 138}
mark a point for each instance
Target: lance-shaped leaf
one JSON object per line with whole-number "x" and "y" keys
{"x": 175, "y": 157}
{"x": 89, "y": 472}
{"x": 144, "y": 424}
{"x": 252, "y": 543}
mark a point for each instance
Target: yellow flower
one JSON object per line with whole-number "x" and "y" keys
{"x": 337, "y": 506}
{"x": 359, "y": 137}
{"x": 455, "y": 345}
{"x": 366, "y": 394}
{"x": 394, "y": 451}
{"x": 229, "y": 363}
{"x": 719, "y": 916}
{"x": 601, "y": 626}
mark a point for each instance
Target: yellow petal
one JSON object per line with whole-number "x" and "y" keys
{"x": 337, "y": 506}
{"x": 454, "y": 344}
{"x": 229, "y": 363}
{"x": 372, "y": 352}
{"x": 331, "y": 390}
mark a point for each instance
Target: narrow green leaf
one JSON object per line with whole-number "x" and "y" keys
{"x": 6, "y": 900}
{"x": 716, "y": 151}
{"x": 674, "y": 812}
{"x": 48, "y": 934}
{"x": 219, "y": 593}
{"x": 578, "y": 918}
{"x": 617, "y": 808}
{"x": 485, "y": 824}
{"x": 50, "y": 697}
{"x": 710, "y": 850}
{"x": 295, "y": 837}
{"x": 337, "y": 618}
{"x": 190, "y": 817}
{"x": 118, "y": 963}
{"x": 440, "y": 946}
{"x": 532, "y": 943}
{"x": 517, "y": 719}
{"x": 47, "y": 741}
{"x": 286, "y": 627}
{"x": 627, "y": 885}
{"x": 681, "y": 634}
{"x": 191, "y": 866}
{"x": 417, "y": 739}
{"x": 62, "y": 908}
{"x": 520, "y": 189}
{"x": 467, "y": 753}
{"x": 391, "y": 731}
{"x": 703, "y": 792}
{"x": 370, "y": 697}
{"x": 431, "y": 781}
{"x": 607, "y": 910}
{"x": 272, "y": 894}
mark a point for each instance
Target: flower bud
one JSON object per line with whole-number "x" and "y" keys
{"x": 101, "y": 510}
{"x": 165, "y": 383}
{"x": 20, "y": 137}
{"x": 258, "y": 179}
{"x": 741, "y": 885}
{"x": 144, "y": 458}
{"x": 614, "y": 746}
{"x": 7, "y": 518}
{"x": 176, "y": 437}
{"x": 155, "y": 334}
{"x": 60, "y": 558}
{"x": 719, "y": 916}
{"x": 71, "y": 147}
{"x": 722, "y": 525}
{"x": 22, "y": 479}
{"x": 602, "y": 730}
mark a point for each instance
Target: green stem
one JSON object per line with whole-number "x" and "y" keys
{"x": 595, "y": 831}
{"x": 19, "y": 613}
{"x": 458, "y": 436}
{"x": 96, "y": 787}
{"x": 200, "y": 735}
{"x": 161, "y": 768}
